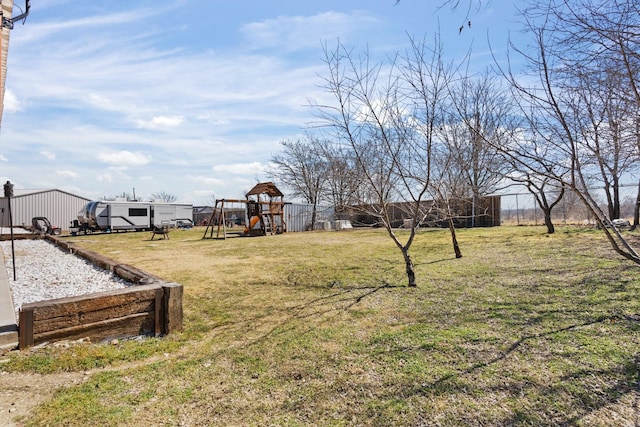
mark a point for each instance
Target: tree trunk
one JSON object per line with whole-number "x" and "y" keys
{"x": 547, "y": 221}
{"x": 411, "y": 273}
{"x": 616, "y": 200}
{"x": 636, "y": 211}
{"x": 314, "y": 214}
{"x": 454, "y": 239}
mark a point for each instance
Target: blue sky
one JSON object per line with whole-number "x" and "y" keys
{"x": 192, "y": 98}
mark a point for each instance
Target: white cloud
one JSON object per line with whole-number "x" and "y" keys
{"x": 11, "y": 103}
{"x": 250, "y": 169}
{"x": 48, "y": 154}
{"x": 298, "y": 32}
{"x": 125, "y": 158}
{"x": 207, "y": 180}
{"x": 199, "y": 197}
{"x": 3, "y": 158}
{"x": 105, "y": 178}
{"x": 100, "y": 101}
{"x": 161, "y": 122}
{"x": 114, "y": 174}
{"x": 39, "y": 31}
{"x": 213, "y": 119}
{"x": 67, "y": 173}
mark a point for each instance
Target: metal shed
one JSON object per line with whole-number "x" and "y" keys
{"x": 58, "y": 206}
{"x": 298, "y": 215}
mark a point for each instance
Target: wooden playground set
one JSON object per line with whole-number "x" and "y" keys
{"x": 261, "y": 214}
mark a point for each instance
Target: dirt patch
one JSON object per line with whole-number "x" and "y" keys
{"x": 20, "y": 393}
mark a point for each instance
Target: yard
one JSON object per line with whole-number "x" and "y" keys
{"x": 320, "y": 329}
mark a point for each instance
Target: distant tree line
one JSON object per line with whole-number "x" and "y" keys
{"x": 131, "y": 197}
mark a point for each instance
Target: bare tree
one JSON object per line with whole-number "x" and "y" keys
{"x": 124, "y": 195}
{"x": 539, "y": 168}
{"x": 613, "y": 28}
{"x": 386, "y": 116}
{"x": 429, "y": 80}
{"x": 448, "y": 188}
{"x": 608, "y": 133}
{"x": 590, "y": 35}
{"x": 342, "y": 181}
{"x": 546, "y": 192}
{"x": 567, "y": 41}
{"x": 636, "y": 210}
{"x": 481, "y": 114}
{"x": 301, "y": 167}
{"x": 165, "y": 197}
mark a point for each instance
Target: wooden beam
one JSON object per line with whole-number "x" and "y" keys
{"x": 25, "y": 328}
{"x": 172, "y": 308}
{"x": 157, "y": 311}
{"x": 132, "y": 325}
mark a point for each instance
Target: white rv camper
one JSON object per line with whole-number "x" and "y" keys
{"x": 133, "y": 216}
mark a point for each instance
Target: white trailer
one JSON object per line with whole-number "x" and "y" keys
{"x": 133, "y": 216}
{"x": 171, "y": 214}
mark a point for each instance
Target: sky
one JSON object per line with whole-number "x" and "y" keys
{"x": 193, "y": 98}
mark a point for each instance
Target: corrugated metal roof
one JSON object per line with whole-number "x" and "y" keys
{"x": 17, "y": 192}
{"x": 27, "y": 192}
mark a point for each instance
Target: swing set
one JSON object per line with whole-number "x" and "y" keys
{"x": 263, "y": 212}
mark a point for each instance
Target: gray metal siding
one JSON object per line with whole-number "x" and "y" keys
{"x": 297, "y": 216}
{"x": 58, "y": 206}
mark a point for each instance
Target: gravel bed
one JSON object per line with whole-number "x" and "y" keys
{"x": 44, "y": 272}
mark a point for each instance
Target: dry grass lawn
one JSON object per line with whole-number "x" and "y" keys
{"x": 527, "y": 329}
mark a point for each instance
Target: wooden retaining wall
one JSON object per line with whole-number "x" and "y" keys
{"x": 151, "y": 307}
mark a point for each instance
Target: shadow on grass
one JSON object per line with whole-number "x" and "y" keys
{"x": 276, "y": 318}
{"x": 324, "y": 308}
{"x": 590, "y": 400}
{"x": 436, "y": 261}
{"x": 587, "y": 390}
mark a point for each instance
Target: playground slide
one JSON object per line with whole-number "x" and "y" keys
{"x": 254, "y": 220}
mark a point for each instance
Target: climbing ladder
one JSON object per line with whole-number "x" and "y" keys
{"x": 267, "y": 225}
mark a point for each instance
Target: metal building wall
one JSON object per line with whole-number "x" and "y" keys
{"x": 297, "y": 216}
{"x": 58, "y": 206}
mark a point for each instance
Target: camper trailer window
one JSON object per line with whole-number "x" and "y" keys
{"x": 137, "y": 212}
